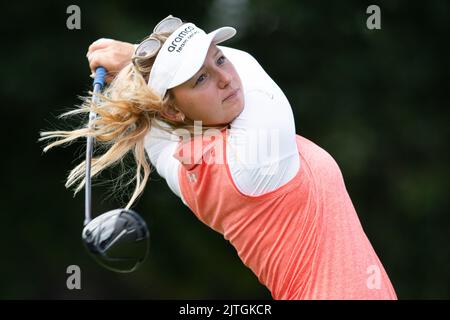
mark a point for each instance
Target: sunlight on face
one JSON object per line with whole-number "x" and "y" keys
{"x": 214, "y": 94}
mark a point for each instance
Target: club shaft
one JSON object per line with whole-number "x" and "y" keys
{"x": 98, "y": 85}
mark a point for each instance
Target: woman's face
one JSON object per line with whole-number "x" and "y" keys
{"x": 214, "y": 94}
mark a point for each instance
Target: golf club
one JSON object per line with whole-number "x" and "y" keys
{"x": 118, "y": 239}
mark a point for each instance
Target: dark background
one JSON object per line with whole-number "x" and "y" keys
{"x": 374, "y": 99}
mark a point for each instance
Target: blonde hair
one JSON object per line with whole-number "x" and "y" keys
{"x": 125, "y": 111}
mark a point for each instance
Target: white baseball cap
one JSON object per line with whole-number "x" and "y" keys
{"x": 182, "y": 55}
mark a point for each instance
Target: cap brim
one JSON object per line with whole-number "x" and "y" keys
{"x": 197, "y": 52}
{"x": 222, "y": 34}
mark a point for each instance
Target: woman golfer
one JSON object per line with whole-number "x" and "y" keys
{"x": 222, "y": 134}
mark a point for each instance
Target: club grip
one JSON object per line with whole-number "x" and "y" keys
{"x": 100, "y": 74}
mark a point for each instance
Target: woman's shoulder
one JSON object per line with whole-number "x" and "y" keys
{"x": 250, "y": 71}
{"x": 240, "y": 59}
{"x": 235, "y": 53}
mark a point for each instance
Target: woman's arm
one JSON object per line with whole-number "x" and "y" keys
{"x": 262, "y": 150}
{"x": 160, "y": 146}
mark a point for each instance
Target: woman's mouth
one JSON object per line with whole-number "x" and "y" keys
{"x": 231, "y": 96}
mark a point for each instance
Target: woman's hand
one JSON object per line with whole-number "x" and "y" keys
{"x": 111, "y": 54}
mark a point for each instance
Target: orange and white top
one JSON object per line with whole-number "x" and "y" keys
{"x": 288, "y": 214}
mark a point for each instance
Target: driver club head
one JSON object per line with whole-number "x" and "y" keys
{"x": 117, "y": 239}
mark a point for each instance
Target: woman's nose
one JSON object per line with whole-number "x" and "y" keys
{"x": 224, "y": 78}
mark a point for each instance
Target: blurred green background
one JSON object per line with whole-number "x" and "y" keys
{"x": 376, "y": 100}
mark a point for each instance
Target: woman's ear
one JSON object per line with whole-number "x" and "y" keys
{"x": 172, "y": 113}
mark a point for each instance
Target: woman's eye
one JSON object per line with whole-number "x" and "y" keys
{"x": 200, "y": 79}
{"x": 221, "y": 60}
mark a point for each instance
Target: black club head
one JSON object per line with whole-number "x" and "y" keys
{"x": 118, "y": 240}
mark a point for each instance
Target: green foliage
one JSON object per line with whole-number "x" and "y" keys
{"x": 376, "y": 100}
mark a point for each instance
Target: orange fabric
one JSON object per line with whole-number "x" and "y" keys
{"x": 303, "y": 240}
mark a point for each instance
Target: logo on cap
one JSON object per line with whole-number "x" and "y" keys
{"x": 185, "y": 35}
